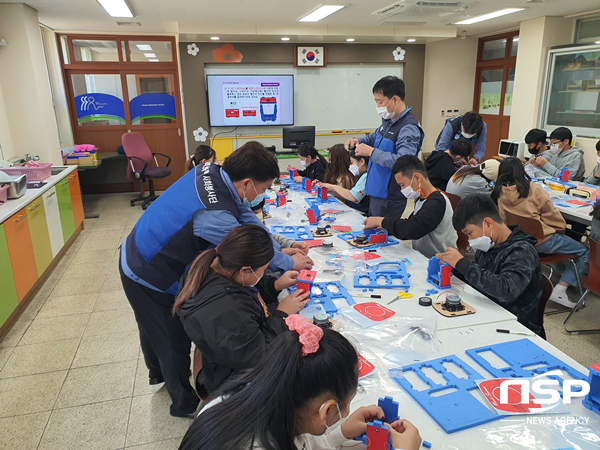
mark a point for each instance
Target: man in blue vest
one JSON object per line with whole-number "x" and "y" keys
{"x": 194, "y": 214}
{"x": 470, "y": 126}
{"x": 399, "y": 134}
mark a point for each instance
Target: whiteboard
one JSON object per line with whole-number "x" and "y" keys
{"x": 336, "y": 97}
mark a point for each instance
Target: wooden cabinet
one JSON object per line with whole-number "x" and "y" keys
{"x": 21, "y": 254}
{"x": 40, "y": 238}
{"x": 76, "y": 200}
{"x": 8, "y": 298}
{"x": 53, "y": 220}
{"x": 65, "y": 208}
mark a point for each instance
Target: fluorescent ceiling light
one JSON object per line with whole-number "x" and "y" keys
{"x": 144, "y": 47}
{"x": 350, "y": 40}
{"x": 489, "y": 16}
{"x": 320, "y": 13}
{"x": 149, "y": 55}
{"x": 285, "y": 39}
{"x": 597, "y": 42}
{"x": 116, "y": 8}
{"x": 411, "y": 40}
{"x": 153, "y": 60}
{"x": 215, "y": 38}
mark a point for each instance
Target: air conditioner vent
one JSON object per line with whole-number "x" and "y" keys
{"x": 412, "y": 8}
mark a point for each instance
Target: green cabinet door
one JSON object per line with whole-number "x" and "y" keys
{"x": 65, "y": 208}
{"x": 8, "y": 290}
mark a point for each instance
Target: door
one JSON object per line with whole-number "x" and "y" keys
{"x": 8, "y": 300}
{"x": 38, "y": 227}
{"x": 20, "y": 249}
{"x": 53, "y": 220}
{"x": 76, "y": 200}
{"x": 65, "y": 209}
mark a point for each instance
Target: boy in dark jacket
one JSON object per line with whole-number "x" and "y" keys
{"x": 506, "y": 267}
{"x": 441, "y": 166}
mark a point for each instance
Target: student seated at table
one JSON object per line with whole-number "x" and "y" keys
{"x": 223, "y": 304}
{"x": 315, "y": 164}
{"x": 470, "y": 180}
{"x": 515, "y": 193}
{"x": 442, "y": 165}
{"x": 430, "y": 225}
{"x": 203, "y": 154}
{"x": 296, "y": 397}
{"x": 561, "y": 155}
{"x": 594, "y": 177}
{"x": 338, "y": 172}
{"x": 595, "y": 213}
{"x": 506, "y": 266}
{"x": 356, "y": 197}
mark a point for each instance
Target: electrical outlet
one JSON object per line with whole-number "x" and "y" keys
{"x": 443, "y": 113}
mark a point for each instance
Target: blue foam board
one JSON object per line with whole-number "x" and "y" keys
{"x": 327, "y": 297}
{"x": 390, "y": 271}
{"x": 298, "y": 233}
{"x": 352, "y": 235}
{"x": 319, "y": 201}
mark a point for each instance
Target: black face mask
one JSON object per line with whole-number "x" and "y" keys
{"x": 535, "y": 150}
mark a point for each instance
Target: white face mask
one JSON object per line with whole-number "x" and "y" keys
{"x": 383, "y": 112}
{"x": 598, "y": 159}
{"x": 335, "y": 426}
{"x": 467, "y": 135}
{"x": 303, "y": 163}
{"x": 354, "y": 170}
{"x": 409, "y": 192}
{"x": 553, "y": 150}
{"x": 483, "y": 243}
{"x": 250, "y": 285}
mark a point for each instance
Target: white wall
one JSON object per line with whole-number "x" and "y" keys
{"x": 449, "y": 83}
{"x": 25, "y": 86}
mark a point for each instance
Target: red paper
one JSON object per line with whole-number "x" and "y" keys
{"x": 314, "y": 243}
{"x": 364, "y": 367}
{"x": 491, "y": 390}
{"x": 341, "y": 227}
{"x": 366, "y": 256}
{"x": 332, "y": 211}
{"x": 374, "y": 311}
{"x": 577, "y": 202}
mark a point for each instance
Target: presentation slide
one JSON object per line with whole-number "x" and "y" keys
{"x": 250, "y": 100}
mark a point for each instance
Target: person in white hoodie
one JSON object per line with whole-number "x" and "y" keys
{"x": 561, "y": 155}
{"x": 297, "y": 397}
{"x": 594, "y": 177}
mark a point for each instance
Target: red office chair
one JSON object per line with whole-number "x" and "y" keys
{"x": 462, "y": 242}
{"x": 140, "y": 166}
{"x": 592, "y": 283}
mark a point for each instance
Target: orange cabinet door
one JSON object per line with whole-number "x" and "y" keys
{"x": 76, "y": 200}
{"x": 20, "y": 249}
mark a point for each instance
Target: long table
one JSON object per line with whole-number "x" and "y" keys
{"x": 454, "y": 335}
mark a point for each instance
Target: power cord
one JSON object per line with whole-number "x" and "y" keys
{"x": 222, "y": 132}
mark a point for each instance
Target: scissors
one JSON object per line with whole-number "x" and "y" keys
{"x": 401, "y": 295}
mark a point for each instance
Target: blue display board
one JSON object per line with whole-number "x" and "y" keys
{"x": 96, "y": 106}
{"x": 148, "y": 106}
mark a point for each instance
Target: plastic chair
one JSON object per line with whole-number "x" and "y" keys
{"x": 592, "y": 283}
{"x": 546, "y": 293}
{"x": 196, "y": 369}
{"x": 534, "y": 228}
{"x": 462, "y": 242}
{"x": 140, "y": 166}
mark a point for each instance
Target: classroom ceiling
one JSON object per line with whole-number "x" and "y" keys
{"x": 268, "y": 21}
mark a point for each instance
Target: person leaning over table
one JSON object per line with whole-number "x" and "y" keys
{"x": 470, "y": 127}
{"x": 399, "y": 134}
{"x": 192, "y": 215}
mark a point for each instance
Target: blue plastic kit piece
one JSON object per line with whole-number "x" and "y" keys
{"x": 431, "y": 292}
{"x": 559, "y": 181}
{"x": 352, "y": 235}
{"x": 298, "y": 233}
{"x": 426, "y": 444}
{"x": 390, "y": 409}
{"x": 320, "y": 201}
{"x": 370, "y": 290}
{"x": 329, "y": 291}
{"x": 454, "y": 411}
{"x": 521, "y": 354}
{"x": 394, "y": 274}
{"x": 314, "y": 214}
{"x": 439, "y": 274}
{"x": 329, "y": 219}
{"x": 592, "y": 400}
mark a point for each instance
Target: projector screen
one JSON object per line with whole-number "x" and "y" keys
{"x": 250, "y": 100}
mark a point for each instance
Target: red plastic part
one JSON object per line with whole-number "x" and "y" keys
{"x": 445, "y": 274}
{"x": 378, "y": 238}
{"x": 311, "y": 217}
{"x": 305, "y": 280}
{"x": 377, "y": 438}
{"x": 322, "y": 193}
{"x": 281, "y": 199}
{"x": 306, "y": 184}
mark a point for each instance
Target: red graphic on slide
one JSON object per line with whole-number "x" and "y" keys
{"x": 491, "y": 390}
{"x": 364, "y": 367}
{"x": 310, "y": 56}
{"x": 374, "y": 311}
{"x": 268, "y": 100}
{"x": 247, "y": 113}
{"x": 232, "y": 113}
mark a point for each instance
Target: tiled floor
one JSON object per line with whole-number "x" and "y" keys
{"x": 71, "y": 373}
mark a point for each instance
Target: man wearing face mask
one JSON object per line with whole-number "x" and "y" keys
{"x": 561, "y": 155}
{"x": 400, "y": 134}
{"x": 192, "y": 215}
{"x": 506, "y": 267}
{"x": 471, "y": 127}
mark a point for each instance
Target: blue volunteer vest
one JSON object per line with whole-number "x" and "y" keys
{"x": 162, "y": 243}
{"x": 380, "y": 182}
{"x": 455, "y": 123}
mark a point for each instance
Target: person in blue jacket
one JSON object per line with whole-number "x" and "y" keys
{"x": 191, "y": 216}
{"x": 470, "y": 126}
{"x": 399, "y": 134}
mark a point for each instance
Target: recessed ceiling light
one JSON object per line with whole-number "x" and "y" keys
{"x": 320, "y": 13}
{"x": 150, "y": 55}
{"x": 154, "y": 60}
{"x": 489, "y": 16}
{"x": 411, "y": 40}
{"x": 285, "y": 39}
{"x": 215, "y": 38}
{"x": 116, "y": 8}
{"x": 350, "y": 40}
{"x": 144, "y": 47}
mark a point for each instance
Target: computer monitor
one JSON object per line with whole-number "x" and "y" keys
{"x": 294, "y": 136}
{"x": 510, "y": 148}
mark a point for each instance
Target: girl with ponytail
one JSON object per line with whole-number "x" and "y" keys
{"x": 203, "y": 154}
{"x": 223, "y": 304}
{"x": 297, "y": 397}
{"x": 315, "y": 164}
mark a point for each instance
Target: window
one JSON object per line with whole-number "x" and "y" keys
{"x": 494, "y": 49}
{"x": 151, "y": 99}
{"x": 491, "y": 91}
{"x": 149, "y": 51}
{"x": 588, "y": 30}
{"x": 98, "y": 99}
{"x": 84, "y": 50}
